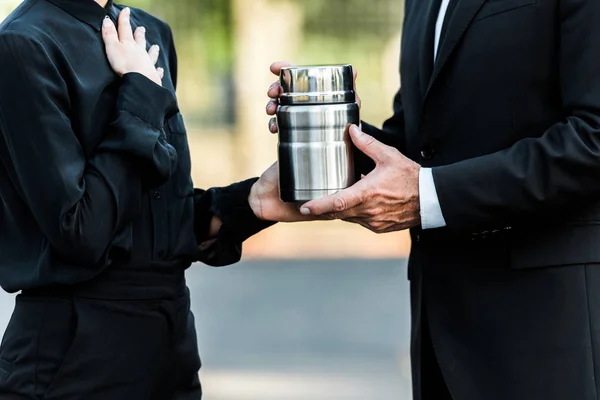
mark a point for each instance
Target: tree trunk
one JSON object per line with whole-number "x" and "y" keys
{"x": 265, "y": 31}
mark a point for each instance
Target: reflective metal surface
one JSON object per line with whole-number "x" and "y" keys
{"x": 315, "y": 150}
{"x": 317, "y": 85}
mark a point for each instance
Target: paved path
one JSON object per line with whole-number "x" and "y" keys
{"x": 299, "y": 330}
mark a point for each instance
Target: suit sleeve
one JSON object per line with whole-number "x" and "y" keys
{"x": 538, "y": 177}
{"x": 391, "y": 134}
{"x": 80, "y": 201}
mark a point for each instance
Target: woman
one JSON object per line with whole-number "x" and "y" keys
{"x": 98, "y": 215}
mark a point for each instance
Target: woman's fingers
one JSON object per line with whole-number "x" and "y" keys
{"x": 109, "y": 32}
{"x": 153, "y": 53}
{"x": 140, "y": 37}
{"x": 125, "y": 31}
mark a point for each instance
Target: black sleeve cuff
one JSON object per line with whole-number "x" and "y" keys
{"x": 146, "y": 100}
{"x": 230, "y": 204}
{"x": 138, "y": 127}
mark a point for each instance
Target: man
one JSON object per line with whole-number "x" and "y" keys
{"x": 492, "y": 158}
{"x": 98, "y": 215}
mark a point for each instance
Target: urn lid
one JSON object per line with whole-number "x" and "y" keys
{"x": 324, "y": 84}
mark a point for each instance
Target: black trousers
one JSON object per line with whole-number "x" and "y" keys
{"x": 433, "y": 385}
{"x": 128, "y": 335}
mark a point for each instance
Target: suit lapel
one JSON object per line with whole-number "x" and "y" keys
{"x": 462, "y": 18}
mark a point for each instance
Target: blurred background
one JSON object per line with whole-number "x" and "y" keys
{"x": 315, "y": 311}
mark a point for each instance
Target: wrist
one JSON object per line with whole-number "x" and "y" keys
{"x": 254, "y": 201}
{"x": 215, "y": 227}
{"x": 236, "y": 206}
{"x": 417, "y": 189}
{"x": 151, "y": 75}
{"x": 417, "y": 207}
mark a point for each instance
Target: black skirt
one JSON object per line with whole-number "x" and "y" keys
{"x": 128, "y": 334}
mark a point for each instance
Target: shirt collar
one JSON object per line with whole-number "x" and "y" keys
{"x": 87, "y": 11}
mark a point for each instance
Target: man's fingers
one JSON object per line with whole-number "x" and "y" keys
{"x": 272, "y": 107}
{"x": 109, "y": 32}
{"x": 276, "y": 67}
{"x": 338, "y": 204}
{"x": 161, "y": 73}
{"x": 125, "y": 31}
{"x": 153, "y": 53}
{"x": 275, "y": 90}
{"x": 140, "y": 37}
{"x": 371, "y": 147}
{"x": 273, "y": 126}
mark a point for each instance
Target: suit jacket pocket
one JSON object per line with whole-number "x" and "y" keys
{"x": 495, "y": 7}
{"x": 555, "y": 246}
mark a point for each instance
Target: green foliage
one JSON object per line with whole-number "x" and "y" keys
{"x": 202, "y": 26}
{"x": 206, "y": 26}
{"x": 335, "y": 31}
{"x": 351, "y": 19}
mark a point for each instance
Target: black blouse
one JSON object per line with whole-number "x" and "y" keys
{"x": 95, "y": 169}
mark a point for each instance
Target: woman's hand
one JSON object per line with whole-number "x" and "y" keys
{"x": 126, "y": 50}
{"x": 265, "y": 201}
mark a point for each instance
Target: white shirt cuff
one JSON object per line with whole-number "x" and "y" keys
{"x": 431, "y": 211}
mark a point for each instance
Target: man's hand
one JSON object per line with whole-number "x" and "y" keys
{"x": 265, "y": 201}
{"x": 126, "y": 50}
{"x": 386, "y": 200}
{"x": 275, "y": 91}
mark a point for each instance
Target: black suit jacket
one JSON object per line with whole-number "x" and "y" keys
{"x": 509, "y": 120}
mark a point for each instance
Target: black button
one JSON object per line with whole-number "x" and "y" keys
{"x": 157, "y": 195}
{"x": 427, "y": 152}
{"x": 161, "y": 253}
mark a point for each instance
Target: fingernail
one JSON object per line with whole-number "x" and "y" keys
{"x": 143, "y": 29}
{"x": 106, "y": 22}
{"x": 305, "y": 211}
{"x": 354, "y": 129}
{"x": 127, "y": 11}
